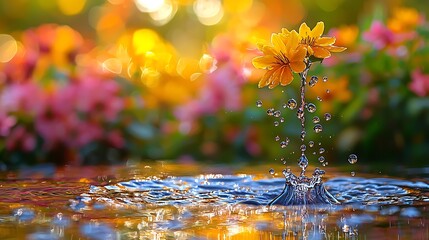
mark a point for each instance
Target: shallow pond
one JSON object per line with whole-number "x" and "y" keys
{"x": 169, "y": 201}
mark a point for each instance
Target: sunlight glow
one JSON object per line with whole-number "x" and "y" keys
{"x": 149, "y": 5}
{"x": 8, "y": 47}
{"x": 209, "y": 12}
{"x": 165, "y": 13}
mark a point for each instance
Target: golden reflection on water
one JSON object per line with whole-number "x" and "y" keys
{"x": 171, "y": 201}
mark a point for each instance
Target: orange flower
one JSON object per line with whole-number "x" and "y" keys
{"x": 318, "y": 46}
{"x": 334, "y": 90}
{"x": 404, "y": 20}
{"x": 281, "y": 58}
{"x": 346, "y": 35}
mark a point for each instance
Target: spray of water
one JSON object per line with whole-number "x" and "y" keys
{"x": 302, "y": 189}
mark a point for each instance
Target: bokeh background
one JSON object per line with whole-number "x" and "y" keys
{"x": 103, "y": 82}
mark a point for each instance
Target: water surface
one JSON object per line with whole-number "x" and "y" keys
{"x": 168, "y": 201}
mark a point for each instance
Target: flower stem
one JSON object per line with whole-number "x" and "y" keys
{"x": 301, "y": 110}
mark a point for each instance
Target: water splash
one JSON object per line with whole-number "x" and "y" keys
{"x": 304, "y": 190}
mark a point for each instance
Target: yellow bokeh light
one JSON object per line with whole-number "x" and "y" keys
{"x": 209, "y": 12}
{"x": 149, "y": 5}
{"x": 8, "y": 48}
{"x": 164, "y": 14}
{"x": 207, "y": 8}
{"x": 207, "y": 63}
{"x": 145, "y": 40}
{"x": 69, "y": 7}
{"x": 112, "y": 65}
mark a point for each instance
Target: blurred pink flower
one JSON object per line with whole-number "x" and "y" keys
{"x": 6, "y": 123}
{"x": 98, "y": 96}
{"x": 87, "y": 132}
{"x": 222, "y": 90}
{"x": 20, "y": 139}
{"x": 382, "y": 37}
{"x": 23, "y": 97}
{"x": 55, "y": 121}
{"x": 419, "y": 83}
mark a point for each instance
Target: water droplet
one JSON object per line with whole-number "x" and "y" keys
{"x": 270, "y": 111}
{"x": 327, "y": 116}
{"x": 311, "y": 144}
{"x": 284, "y": 105}
{"x": 320, "y": 143}
{"x": 276, "y": 123}
{"x": 321, "y": 150}
{"x": 346, "y": 228}
{"x": 318, "y": 128}
{"x": 291, "y": 104}
{"x": 321, "y": 159}
{"x": 303, "y": 135}
{"x": 303, "y": 148}
{"x": 272, "y": 171}
{"x": 282, "y": 119}
{"x": 277, "y": 138}
{"x": 325, "y": 164}
{"x": 287, "y": 173}
{"x": 313, "y": 81}
{"x": 311, "y": 107}
{"x": 316, "y": 119}
{"x": 328, "y": 91}
{"x": 283, "y": 144}
{"x": 300, "y": 114}
{"x": 303, "y": 162}
{"x": 277, "y": 113}
{"x": 353, "y": 174}
{"x": 325, "y": 79}
{"x": 259, "y": 103}
{"x": 319, "y": 98}
{"x": 318, "y": 172}
{"x": 353, "y": 158}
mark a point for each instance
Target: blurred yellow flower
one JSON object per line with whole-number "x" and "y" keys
{"x": 330, "y": 91}
{"x": 346, "y": 35}
{"x": 318, "y": 46}
{"x": 282, "y": 57}
{"x": 404, "y": 20}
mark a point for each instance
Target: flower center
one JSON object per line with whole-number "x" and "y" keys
{"x": 308, "y": 40}
{"x": 282, "y": 59}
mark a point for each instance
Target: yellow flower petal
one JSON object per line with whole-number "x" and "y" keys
{"x": 285, "y": 31}
{"x": 265, "y": 80}
{"x": 291, "y": 42}
{"x": 278, "y": 43}
{"x": 304, "y": 30}
{"x": 325, "y": 41}
{"x": 297, "y": 66}
{"x": 318, "y": 29}
{"x": 286, "y": 77}
{"x": 336, "y": 49}
{"x": 275, "y": 78}
{"x": 310, "y": 50}
{"x": 264, "y": 62}
{"x": 321, "y": 52}
{"x": 299, "y": 54}
{"x": 268, "y": 50}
